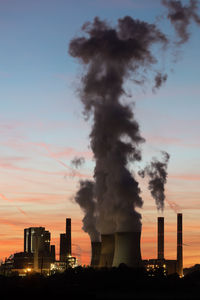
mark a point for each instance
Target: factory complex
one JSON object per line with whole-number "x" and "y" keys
{"x": 113, "y": 250}
{"x": 39, "y": 255}
{"x": 124, "y": 248}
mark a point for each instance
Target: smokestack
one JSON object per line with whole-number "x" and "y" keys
{"x": 107, "y": 250}
{"x": 68, "y": 236}
{"x": 179, "y": 245}
{"x": 127, "y": 249}
{"x": 96, "y": 252}
{"x": 160, "y": 237}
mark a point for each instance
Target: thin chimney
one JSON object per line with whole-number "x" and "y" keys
{"x": 68, "y": 235}
{"x": 160, "y": 237}
{"x": 180, "y": 244}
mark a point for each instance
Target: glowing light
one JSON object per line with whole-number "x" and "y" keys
{"x": 28, "y": 270}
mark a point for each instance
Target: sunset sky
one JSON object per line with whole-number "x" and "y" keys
{"x": 42, "y": 127}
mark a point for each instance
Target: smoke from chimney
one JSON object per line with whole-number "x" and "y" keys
{"x": 157, "y": 172}
{"x": 111, "y": 56}
{"x": 85, "y": 198}
{"x": 174, "y": 206}
{"x": 77, "y": 161}
{"x": 181, "y": 17}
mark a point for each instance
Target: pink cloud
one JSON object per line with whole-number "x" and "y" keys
{"x": 189, "y": 177}
{"x": 13, "y": 222}
{"x": 10, "y": 201}
{"x": 42, "y": 198}
{"x": 163, "y": 140}
{"x": 5, "y": 164}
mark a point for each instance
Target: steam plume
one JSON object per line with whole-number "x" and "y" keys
{"x": 85, "y": 198}
{"x": 111, "y": 55}
{"x": 174, "y": 206}
{"x": 159, "y": 80}
{"x": 181, "y": 16}
{"x": 78, "y": 161}
{"x": 157, "y": 172}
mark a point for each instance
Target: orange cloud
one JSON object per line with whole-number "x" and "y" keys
{"x": 189, "y": 177}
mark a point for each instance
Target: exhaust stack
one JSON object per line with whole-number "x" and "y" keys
{"x": 180, "y": 244}
{"x": 127, "y": 249}
{"x": 161, "y": 238}
{"x": 107, "y": 250}
{"x": 68, "y": 235}
{"x": 96, "y": 252}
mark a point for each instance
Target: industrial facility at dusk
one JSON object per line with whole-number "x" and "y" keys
{"x": 121, "y": 248}
{"x": 39, "y": 255}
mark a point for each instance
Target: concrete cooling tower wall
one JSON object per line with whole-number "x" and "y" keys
{"x": 107, "y": 250}
{"x": 127, "y": 249}
{"x": 96, "y": 252}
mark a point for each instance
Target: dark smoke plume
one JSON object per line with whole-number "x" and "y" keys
{"x": 159, "y": 80}
{"x": 111, "y": 56}
{"x": 85, "y": 198}
{"x": 157, "y": 172}
{"x": 78, "y": 161}
{"x": 181, "y": 17}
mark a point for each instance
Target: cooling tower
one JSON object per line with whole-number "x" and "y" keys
{"x": 96, "y": 252}
{"x": 127, "y": 249}
{"x": 179, "y": 245}
{"x": 107, "y": 250}
{"x": 160, "y": 237}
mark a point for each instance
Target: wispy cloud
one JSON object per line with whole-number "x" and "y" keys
{"x": 12, "y": 203}
{"x": 188, "y": 177}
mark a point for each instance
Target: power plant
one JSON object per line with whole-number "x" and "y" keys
{"x": 39, "y": 255}
{"x": 124, "y": 248}
{"x": 169, "y": 266}
{"x": 112, "y": 251}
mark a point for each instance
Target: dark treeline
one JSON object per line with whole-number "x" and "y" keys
{"x": 115, "y": 283}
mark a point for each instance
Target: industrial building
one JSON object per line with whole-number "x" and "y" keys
{"x": 39, "y": 255}
{"x": 66, "y": 258}
{"x": 168, "y": 266}
{"x": 124, "y": 248}
{"x": 65, "y": 242}
{"x": 36, "y": 239}
{"x": 65, "y": 246}
{"x": 113, "y": 250}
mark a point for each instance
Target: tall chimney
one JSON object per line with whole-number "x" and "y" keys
{"x": 68, "y": 236}
{"x": 180, "y": 244}
{"x": 107, "y": 250}
{"x": 127, "y": 249}
{"x": 160, "y": 237}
